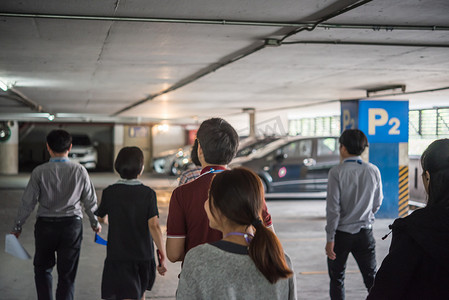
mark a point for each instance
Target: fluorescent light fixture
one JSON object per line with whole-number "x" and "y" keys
{"x": 51, "y": 117}
{"x": 3, "y": 86}
{"x": 391, "y": 87}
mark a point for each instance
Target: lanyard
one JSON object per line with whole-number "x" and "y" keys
{"x": 248, "y": 236}
{"x": 212, "y": 171}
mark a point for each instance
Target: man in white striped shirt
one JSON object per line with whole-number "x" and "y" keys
{"x": 354, "y": 195}
{"x": 60, "y": 187}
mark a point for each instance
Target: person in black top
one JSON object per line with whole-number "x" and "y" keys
{"x": 417, "y": 265}
{"x": 131, "y": 207}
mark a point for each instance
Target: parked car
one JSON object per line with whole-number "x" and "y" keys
{"x": 251, "y": 145}
{"x": 83, "y": 151}
{"x": 172, "y": 162}
{"x": 293, "y": 165}
{"x": 246, "y": 147}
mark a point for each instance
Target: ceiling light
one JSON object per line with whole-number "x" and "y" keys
{"x": 383, "y": 88}
{"x": 3, "y": 86}
{"x": 51, "y": 117}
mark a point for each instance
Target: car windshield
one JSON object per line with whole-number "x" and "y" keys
{"x": 81, "y": 140}
{"x": 245, "y": 151}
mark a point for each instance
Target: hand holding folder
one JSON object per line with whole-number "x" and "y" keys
{"x": 15, "y": 248}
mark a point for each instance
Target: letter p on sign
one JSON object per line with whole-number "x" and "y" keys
{"x": 376, "y": 117}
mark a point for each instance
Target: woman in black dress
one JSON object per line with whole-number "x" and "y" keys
{"x": 131, "y": 207}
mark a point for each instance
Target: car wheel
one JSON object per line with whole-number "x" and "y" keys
{"x": 264, "y": 185}
{"x": 174, "y": 169}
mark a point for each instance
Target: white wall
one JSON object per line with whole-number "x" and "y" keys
{"x": 167, "y": 138}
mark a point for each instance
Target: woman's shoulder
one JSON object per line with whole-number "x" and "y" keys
{"x": 203, "y": 249}
{"x": 200, "y": 256}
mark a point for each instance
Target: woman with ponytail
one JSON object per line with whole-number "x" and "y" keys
{"x": 249, "y": 262}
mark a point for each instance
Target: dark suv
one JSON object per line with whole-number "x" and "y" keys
{"x": 293, "y": 165}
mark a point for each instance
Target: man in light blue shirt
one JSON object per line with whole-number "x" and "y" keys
{"x": 354, "y": 195}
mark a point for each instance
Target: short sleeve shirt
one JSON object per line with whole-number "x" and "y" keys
{"x": 187, "y": 217}
{"x": 129, "y": 207}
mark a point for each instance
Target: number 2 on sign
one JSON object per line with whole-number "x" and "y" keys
{"x": 394, "y": 129}
{"x": 379, "y": 117}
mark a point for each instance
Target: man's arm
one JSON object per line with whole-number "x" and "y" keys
{"x": 175, "y": 248}
{"x": 176, "y": 228}
{"x": 89, "y": 200}
{"x": 29, "y": 201}
{"x": 332, "y": 212}
{"x": 378, "y": 193}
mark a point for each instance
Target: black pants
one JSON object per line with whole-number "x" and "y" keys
{"x": 61, "y": 236}
{"x": 362, "y": 246}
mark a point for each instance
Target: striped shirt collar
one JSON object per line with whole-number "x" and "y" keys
{"x": 59, "y": 159}
{"x": 357, "y": 159}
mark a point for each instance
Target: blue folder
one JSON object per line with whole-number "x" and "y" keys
{"x": 99, "y": 240}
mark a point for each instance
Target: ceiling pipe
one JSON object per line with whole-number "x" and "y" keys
{"x": 375, "y": 27}
{"x": 358, "y": 43}
{"x": 335, "y": 13}
{"x": 15, "y": 95}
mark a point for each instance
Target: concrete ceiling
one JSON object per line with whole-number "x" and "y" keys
{"x": 184, "y": 61}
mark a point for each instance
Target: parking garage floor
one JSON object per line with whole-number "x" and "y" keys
{"x": 298, "y": 223}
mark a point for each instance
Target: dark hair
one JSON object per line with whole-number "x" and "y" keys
{"x": 129, "y": 162}
{"x": 238, "y": 195}
{"x": 435, "y": 160}
{"x": 354, "y": 140}
{"x": 59, "y": 140}
{"x": 194, "y": 153}
{"x": 218, "y": 140}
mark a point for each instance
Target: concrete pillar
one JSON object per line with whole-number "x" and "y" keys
{"x": 9, "y": 150}
{"x": 139, "y": 136}
{"x": 118, "y": 139}
{"x": 252, "y": 121}
{"x": 385, "y": 124}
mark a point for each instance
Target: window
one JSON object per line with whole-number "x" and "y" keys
{"x": 327, "y": 146}
{"x": 302, "y": 148}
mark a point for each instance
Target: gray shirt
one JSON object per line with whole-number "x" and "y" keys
{"x": 213, "y": 273}
{"x": 60, "y": 186}
{"x": 354, "y": 195}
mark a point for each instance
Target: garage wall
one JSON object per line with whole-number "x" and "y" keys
{"x": 139, "y": 136}
{"x": 168, "y": 138}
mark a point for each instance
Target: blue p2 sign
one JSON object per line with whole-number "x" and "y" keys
{"x": 384, "y": 121}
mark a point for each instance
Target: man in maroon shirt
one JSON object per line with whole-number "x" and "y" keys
{"x": 187, "y": 222}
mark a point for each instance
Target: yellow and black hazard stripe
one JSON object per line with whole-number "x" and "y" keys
{"x": 403, "y": 191}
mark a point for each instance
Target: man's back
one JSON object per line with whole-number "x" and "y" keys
{"x": 359, "y": 184}
{"x": 187, "y": 217}
{"x": 60, "y": 186}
